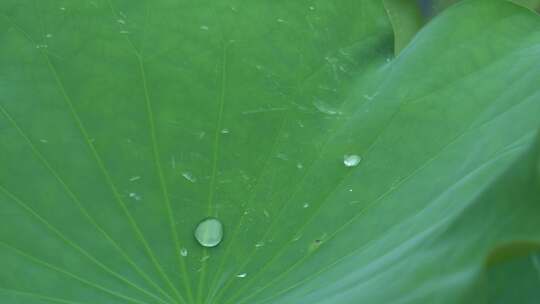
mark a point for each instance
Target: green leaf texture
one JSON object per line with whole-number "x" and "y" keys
{"x": 123, "y": 124}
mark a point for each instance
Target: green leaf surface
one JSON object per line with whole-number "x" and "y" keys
{"x": 123, "y": 124}
{"x": 435, "y": 7}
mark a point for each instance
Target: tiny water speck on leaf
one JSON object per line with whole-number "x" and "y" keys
{"x": 134, "y": 178}
{"x": 325, "y": 108}
{"x": 189, "y": 176}
{"x": 241, "y": 275}
{"x": 209, "y": 232}
{"x": 282, "y": 156}
{"x": 314, "y": 245}
{"x": 351, "y": 160}
{"x": 183, "y": 252}
{"x": 135, "y": 196}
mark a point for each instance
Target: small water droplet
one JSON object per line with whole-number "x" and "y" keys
{"x": 280, "y": 20}
{"x": 189, "y": 176}
{"x": 44, "y": 141}
{"x": 209, "y": 232}
{"x": 312, "y": 8}
{"x": 306, "y": 205}
{"x": 121, "y": 21}
{"x": 183, "y": 252}
{"x": 244, "y": 175}
{"x": 134, "y": 178}
{"x": 299, "y": 166}
{"x": 241, "y": 275}
{"x": 48, "y": 35}
{"x": 259, "y": 244}
{"x": 350, "y": 190}
{"x": 266, "y": 213}
{"x": 370, "y": 97}
{"x": 282, "y": 156}
{"x": 351, "y": 160}
{"x": 62, "y": 8}
{"x": 204, "y": 28}
{"x": 225, "y": 131}
{"x": 135, "y": 196}
{"x": 205, "y": 258}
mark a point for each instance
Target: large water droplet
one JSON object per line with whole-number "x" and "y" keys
{"x": 351, "y": 160}
{"x": 209, "y": 232}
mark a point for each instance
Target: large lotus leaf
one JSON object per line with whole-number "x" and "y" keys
{"x": 123, "y": 124}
